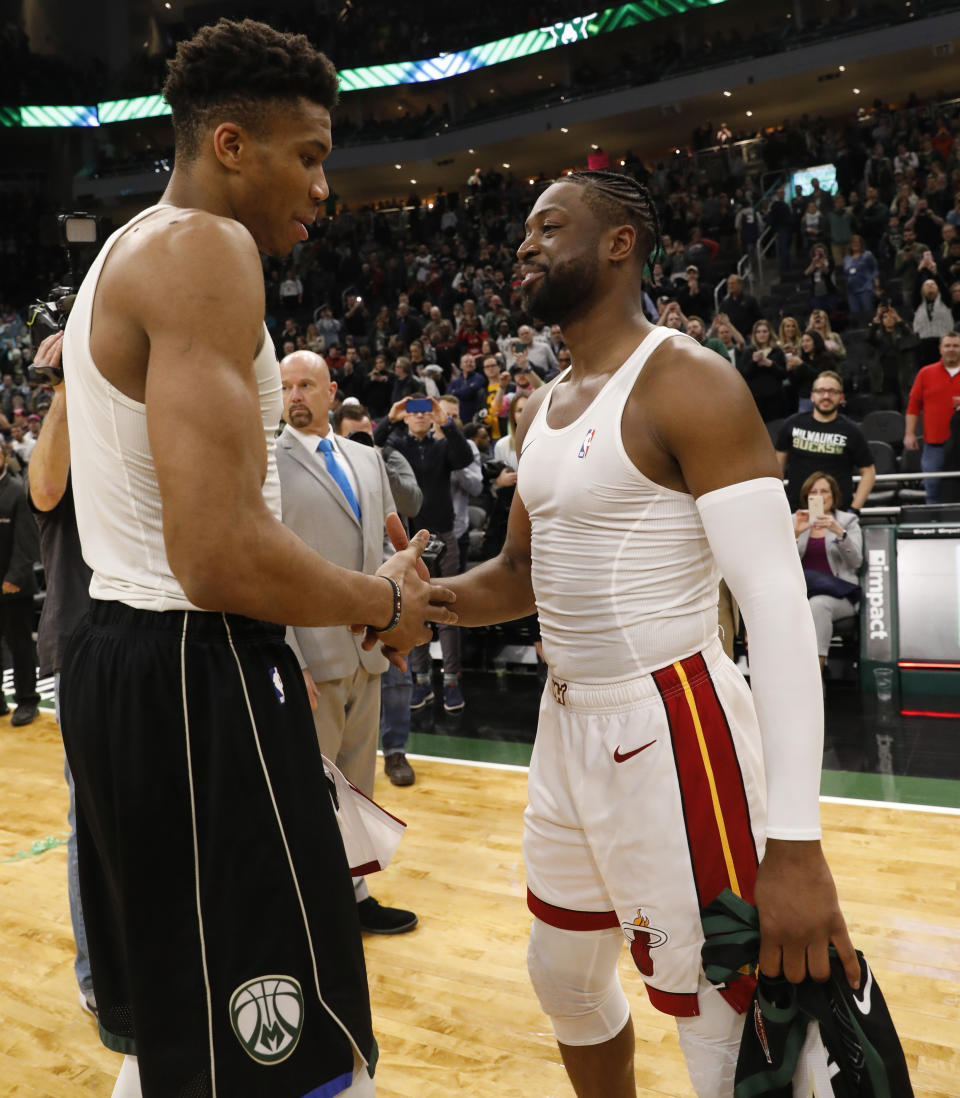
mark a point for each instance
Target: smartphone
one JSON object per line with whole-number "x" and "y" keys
{"x": 814, "y": 506}
{"x": 419, "y": 405}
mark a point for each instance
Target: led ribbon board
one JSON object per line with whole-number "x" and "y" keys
{"x": 59, "y": 116}
{"x": 565, "y": 33}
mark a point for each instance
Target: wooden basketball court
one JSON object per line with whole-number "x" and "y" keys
{"x": 453, "y": 1009}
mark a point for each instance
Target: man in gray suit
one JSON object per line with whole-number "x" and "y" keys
{"x": 336, "y": 497}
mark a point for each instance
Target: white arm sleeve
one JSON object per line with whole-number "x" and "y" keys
{"x": 749, "y": 528}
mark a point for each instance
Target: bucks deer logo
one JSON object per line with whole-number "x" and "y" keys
{"x": 267, "y": 1016}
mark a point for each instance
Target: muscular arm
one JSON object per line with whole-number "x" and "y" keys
{"x": 210, "y": 468}
{"x": 500, "y": 589}
{"x": 50, "y": 460}
{"x": 727, "y": 463}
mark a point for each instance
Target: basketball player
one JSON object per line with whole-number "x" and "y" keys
{"x": 221, "y": 920}
{"x": 656, "y": 780}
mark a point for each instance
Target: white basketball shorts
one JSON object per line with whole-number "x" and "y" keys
{"x": 647, "y": 799}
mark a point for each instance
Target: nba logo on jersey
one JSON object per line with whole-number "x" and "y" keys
{"x": 277, "y": 685}
{"x": 585, "y": 445}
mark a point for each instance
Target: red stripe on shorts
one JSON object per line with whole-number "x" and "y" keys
{"x": 565, "y": 919}
{"x": 715, "y": 809}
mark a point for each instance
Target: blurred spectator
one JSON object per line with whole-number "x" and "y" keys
{"x": 906, "y": 266}
{"x": 504, "y": 451}
{"x": 19, "y": 552}
{"x": 813, "y": 224}
{"x": 671, "y": 316}
{"x": 871, "y": 221}
{"x": 781, "y": 221}
{"x": 539, "y": 355}
{"x": 831, "y": 549}
{"x": 861, "y": 274}
{"x": 291, "y": 292}
{"x": 788, "y": 337}
{"x": 469, "y": 387}
{"x": 694, "y": 297}
{"x": 728, "y": 337}
{"x": 894, "y": 363}
{"x": 465, "y": 484}
{"x": 822, "y": 440}
{"x": 740, "y": 308}
{"x": 698, "y": 329}
{"x": 935, "y": 395}
{"x": 404, "y": 384}
{"x": 823, "y": 288}
{"x": 931, "y": 321}
{"x": 814, "y": 359}
{"x": 497, "y": 380}
{"x": 764, "y": 369}
{"x": 434, "y": 446}
{"x": 820, "y": 322}
{"x": 839, "y": 229}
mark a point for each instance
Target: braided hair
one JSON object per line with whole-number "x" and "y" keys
{"x": 615, "y": 199}
{"x": 238, "y": 69}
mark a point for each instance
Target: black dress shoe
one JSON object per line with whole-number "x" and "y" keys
{"x": 375, "y": 919}
{"x": 398, "y": 770}
{"x": 24, "y": 714}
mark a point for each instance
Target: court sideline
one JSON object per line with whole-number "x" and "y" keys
{"x": 453, "y": 1010}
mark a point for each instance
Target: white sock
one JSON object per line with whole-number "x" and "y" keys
{"x": 128, "y": 1081}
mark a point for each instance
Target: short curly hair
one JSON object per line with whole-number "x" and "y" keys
{"x": 240, "y": 69}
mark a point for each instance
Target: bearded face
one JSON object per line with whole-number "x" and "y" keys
{"x": 562, "y": 289}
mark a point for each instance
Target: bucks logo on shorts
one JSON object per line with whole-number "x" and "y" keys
{"x": 267, "y": 1017}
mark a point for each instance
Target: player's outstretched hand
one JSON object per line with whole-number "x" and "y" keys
{"x": 800, "y": 915}
{"x": 422, "y": 601}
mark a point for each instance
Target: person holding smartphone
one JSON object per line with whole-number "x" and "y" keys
{"x": 435, "y": 447}
{"x": 830, "y": 543}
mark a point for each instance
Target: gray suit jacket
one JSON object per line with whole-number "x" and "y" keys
{"x": 844, "y": 557}
{"x": 316, "y": 510}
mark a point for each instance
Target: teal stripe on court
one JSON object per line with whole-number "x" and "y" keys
{"x": 892, "y": 788}
{"x": 460, "y": 747}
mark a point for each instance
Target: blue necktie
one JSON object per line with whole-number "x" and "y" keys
{"x": 335, "y": 469}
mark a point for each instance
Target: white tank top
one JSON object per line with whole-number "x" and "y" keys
{"x": 624, "y": 578}
{"x": 119, "y": 510}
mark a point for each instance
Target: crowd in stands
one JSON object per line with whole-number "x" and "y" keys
{"x": 425, "y": 299}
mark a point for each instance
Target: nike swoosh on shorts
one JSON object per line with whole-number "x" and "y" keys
{"x": 618, "y": 757}
{"x": 863, "y": 1003}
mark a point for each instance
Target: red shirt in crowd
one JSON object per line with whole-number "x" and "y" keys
{"x": 934, "y": 395}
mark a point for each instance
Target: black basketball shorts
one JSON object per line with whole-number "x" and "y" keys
{"x": 219, "y": 908}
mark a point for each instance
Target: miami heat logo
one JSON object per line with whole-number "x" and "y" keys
{"x": 585, "y": 445}
{"x": 642, "y": 938}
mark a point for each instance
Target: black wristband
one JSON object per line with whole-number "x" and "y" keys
{"x": 397, "y": 606}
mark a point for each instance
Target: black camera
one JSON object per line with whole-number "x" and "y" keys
{"x": 433, "y": 554}
{"x": 80, "y": 237}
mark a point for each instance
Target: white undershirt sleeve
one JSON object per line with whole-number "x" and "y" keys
{"x": 750, "y": 531}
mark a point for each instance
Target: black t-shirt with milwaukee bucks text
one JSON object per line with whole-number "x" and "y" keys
{"x": 837, "y": 447}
